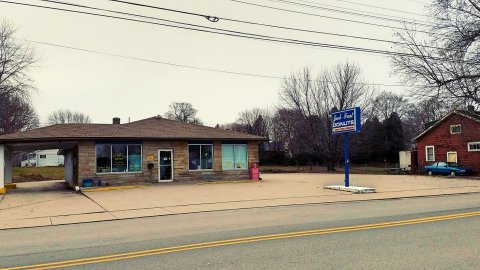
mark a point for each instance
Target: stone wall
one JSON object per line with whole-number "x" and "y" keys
{"x": 87, "y": 164}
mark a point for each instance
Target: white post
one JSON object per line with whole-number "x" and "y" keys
{"x": 2, "y": 167}
{"x": 8, "y": 166}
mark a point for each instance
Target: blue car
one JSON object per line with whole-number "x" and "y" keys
{"x": 447, "y": 168}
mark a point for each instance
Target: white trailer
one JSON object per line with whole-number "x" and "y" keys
{"x": 44, "y": 158}
{"x": 405, "y": 158}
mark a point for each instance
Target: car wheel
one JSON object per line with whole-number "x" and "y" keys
{"x": 430, "y": 173}
{"x": 452, "y": 174}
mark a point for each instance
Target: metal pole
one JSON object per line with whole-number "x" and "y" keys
{"x": 347, "y": 165}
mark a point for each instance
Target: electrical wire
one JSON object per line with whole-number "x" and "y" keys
{"x": 384, "y": 8}
{"x": 326, "y": 17}
{"x": 230, "y": 20}
{"x": 239, "y": 34}
{"x": 354, "y": 13}
{"x": 261, "y": 24}
{"x": 184, "y": 66}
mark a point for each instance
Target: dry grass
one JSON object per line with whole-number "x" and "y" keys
{"x": 321, "y": 169}
{"x": 28, "y": 174}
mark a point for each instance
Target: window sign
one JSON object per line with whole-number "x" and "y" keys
{"x": 118, "y": 158}
{"x": 150, "y": 157}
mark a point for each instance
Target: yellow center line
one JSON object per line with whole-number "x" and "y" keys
{"x": 235, "y": 241}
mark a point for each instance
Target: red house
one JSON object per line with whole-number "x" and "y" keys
{"x": 454, "y": 138}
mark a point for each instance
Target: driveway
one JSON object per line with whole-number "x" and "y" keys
{"x": 49, "y": 203}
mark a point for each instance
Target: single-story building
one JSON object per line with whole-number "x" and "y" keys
{"x": 43, "y": 158}
{"x": 454, "y": 138}
{"x": 153, "y": 150}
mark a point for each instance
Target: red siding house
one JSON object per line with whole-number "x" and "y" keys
{"x": 454, "y": 138}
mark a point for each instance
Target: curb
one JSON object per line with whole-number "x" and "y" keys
{"x": 245, "y": 208}
{"x": 108, "y": 188}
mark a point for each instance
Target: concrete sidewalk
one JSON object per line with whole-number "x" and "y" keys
{"x": 49, "y": 203}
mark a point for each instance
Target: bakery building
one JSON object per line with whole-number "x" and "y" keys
{"x": 150, "y": 150}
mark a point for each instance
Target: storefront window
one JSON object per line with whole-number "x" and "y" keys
{"x": 134, "y": 158}
{"x": 104, "y": 158}
{"x": 200, "y": 157}
{"x": 118, "y": 158}
{"x": 206, "y": 157}
{"x": 227, "y": 157}
{"x": 234, "y": 157}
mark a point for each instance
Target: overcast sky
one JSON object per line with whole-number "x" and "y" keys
{"x": 104, "y": 86}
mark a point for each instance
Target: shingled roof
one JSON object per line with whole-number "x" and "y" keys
{"x": 150, "y": 128}
{"x": 475, "y": 116}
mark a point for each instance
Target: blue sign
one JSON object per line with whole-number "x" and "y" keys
{"x": 346, "y": 121}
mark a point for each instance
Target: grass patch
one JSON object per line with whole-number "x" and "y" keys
{"x": 29, "y": 174}
{"x": 321, "y": 169}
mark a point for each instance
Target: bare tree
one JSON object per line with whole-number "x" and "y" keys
{"x": 444, "y": 65}
{"x": 183, "y": 112}
{"x": 315, "y": 98}
{"x": 254, "y": 121}
{"x": 16, "y": 114}
{"x": 67, "y": 117}
{"x": 16, "y": 61}
{"x": 387, "y": 103}
{"x": 288, "y": 132}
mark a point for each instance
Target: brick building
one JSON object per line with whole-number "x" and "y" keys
{"x": 454, "y": 138}
{"x": 153, "y": 150}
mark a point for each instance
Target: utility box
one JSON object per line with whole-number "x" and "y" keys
{"x": 405, "y": 158}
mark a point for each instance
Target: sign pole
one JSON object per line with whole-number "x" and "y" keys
{"x": 347, "y": 165}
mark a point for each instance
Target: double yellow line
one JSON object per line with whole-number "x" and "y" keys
{"x": 236, "y": 241}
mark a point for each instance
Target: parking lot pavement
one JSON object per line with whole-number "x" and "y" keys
{"x": 49, "y": 203}
{"x": 36, "y": 202}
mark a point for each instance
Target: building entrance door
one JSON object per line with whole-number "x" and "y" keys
{"x": 452, "y": 157}
{"x": 165, "y": 165}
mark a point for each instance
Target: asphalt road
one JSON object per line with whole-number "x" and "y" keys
{"x": 419, "y": 233}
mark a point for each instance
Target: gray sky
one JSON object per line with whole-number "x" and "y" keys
{"x": 104, "y": 86}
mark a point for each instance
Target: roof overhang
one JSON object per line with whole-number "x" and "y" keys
{"x": 443, "y": 119}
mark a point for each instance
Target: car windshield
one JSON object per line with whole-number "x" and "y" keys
{"x": 453, "y": 164}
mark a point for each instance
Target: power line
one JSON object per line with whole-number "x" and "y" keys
{"x": 368, "y": 12}
{"x": 415, "y": 1}
{"x": 183, "y": 66}
{"x": 251, "y": 23}
{"x": 354, "y": 13}
{"x": 235, "y": 33}
{"x": 224, "y": 31}
{"x": 378, "y": 7}
{"x": 324, "y": 16}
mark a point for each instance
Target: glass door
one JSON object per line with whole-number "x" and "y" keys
{"x": 165, "y": 165}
